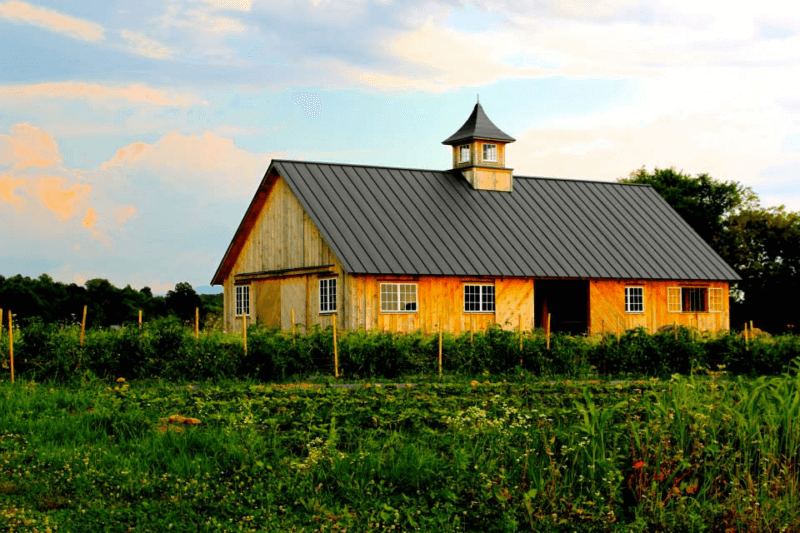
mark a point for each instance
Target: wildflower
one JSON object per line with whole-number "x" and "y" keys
{"x": 120, "y": 380}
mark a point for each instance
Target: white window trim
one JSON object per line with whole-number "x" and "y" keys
{"x": 461, "y": 151}
{"x": 328, "y": 281}
{"x": 480, "y": 298}
{"x": 397, "y": 284}
{"x": 483, "y": 152}
{"x": 243, "y": 290}
{"x": 627, "y": 310}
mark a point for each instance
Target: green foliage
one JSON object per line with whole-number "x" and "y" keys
{"x": 707, "y": 454}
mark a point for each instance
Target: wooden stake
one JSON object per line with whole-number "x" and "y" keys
{"x": 675, "y": 328}
{"x": 440, "y": 345}
{"x": 83, "y": 326}
{"x": 335, "y": 350}
{"x": 471, "y": 329}
{"x": 293, "y": 332}
{"x": 140, "y": 319}
{"x": 548, "y": 331}
{"x": 196, "y": 325}
{"x": 751, "y": 326}
{"x": 745, "y": 337}
{"x": 244, "y": 332}
{"x": 10, "y": 343}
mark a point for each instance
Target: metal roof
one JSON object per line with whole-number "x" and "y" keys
{"x": 478, "y": 126}
{"x": 380, "y": 220}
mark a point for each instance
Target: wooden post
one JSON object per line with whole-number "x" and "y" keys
{"x": 471, "y": 329}
{"x": 140, "y": 319}
{"x": 244, "y": 332}
{"x": 196, "y": 325}
{"x": 548, "y": 331}
{"x": 293, "y": 331}
{"x": 751, "y": 327}
{"x": 83, "y": 326}
{"x": 10, "y": 343}
{"x": 335, "y": 349}
{"x": 746, "y": 347}
{"x": 440, "y": 345}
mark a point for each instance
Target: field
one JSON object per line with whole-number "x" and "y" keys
{"x": 700, "y": 453}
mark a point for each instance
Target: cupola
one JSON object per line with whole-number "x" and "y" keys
{"x": 479, "y": 152}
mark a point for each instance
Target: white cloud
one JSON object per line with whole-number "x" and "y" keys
{"x": 142, "y": 45}
{"x": 70, "y": 90}
{"x": 51, "y": 20}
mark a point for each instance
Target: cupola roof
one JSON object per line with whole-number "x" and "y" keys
{"x": 478, "y": 126}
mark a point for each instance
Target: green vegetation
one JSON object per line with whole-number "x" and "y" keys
{"x": 168, "y": 350}
{"x": 55, "y": 302}
{"x": 685, "y": 454}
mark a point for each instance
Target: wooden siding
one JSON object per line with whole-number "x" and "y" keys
{"x": 281, "y": 237}
{"x": 607, "y": 311}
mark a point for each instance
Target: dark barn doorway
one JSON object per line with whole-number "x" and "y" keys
{"x": 567, "y": 301}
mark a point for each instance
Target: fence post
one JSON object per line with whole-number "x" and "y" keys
{"x": 440, "y": 344}
{"x": 471, "y": 329}
{"x": 335, "y": 350}
{"x": 140, "y": 319}
{"x": 196, "y": 325}
{"x": 548, "y": 331}
{"x": 244, "y": 331}
{"x": 746, "y": 347}
{"x": 10, "y": 343}
{"x": 83, "y": 326}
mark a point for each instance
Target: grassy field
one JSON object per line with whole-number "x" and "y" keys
{"x": 710, "y": 453}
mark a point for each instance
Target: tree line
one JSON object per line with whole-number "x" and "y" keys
{"x": 761, "y": 243}
{"x": 56, "y": 302}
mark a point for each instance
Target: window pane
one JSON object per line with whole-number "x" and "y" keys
{"x": 694, "y": 300}
{"x": 408, "y": 297}
{"x": 242, "y": 300}
{"x": 472, "y": 298}
{"x": 464, "y": 154}
{"x": 634, "y": 299}
{"x": 490, "y": 152}
{"x": 327, "y": 295}
{"x": 488, "y": 297}
{"x": 389, "y": 297}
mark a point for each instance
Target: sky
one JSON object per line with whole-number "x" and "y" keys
{"x": 134, "y": 135}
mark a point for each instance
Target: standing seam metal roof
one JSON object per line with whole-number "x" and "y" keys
{"x": 380, "y": 220}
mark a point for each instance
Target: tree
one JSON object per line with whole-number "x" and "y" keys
{"x": 183, "y": 300}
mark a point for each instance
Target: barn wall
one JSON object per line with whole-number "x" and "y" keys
{"x": 438, "y": 298}
{"x": 282, "y": 237}
{"x": 607, "y": 299}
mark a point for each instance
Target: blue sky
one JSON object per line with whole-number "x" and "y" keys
{"x": 132, "y": 137}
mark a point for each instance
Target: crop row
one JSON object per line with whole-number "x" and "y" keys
{"x": 168, "y": 350}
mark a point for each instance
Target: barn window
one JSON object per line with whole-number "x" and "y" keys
{"x": 242, "y": 300}
{"x": 398, "y": 297}
{"x": 463, "y": 153}
{"x": 490, "y": 152}
{"x": 634, "y": 299}
{"x": 327, "y": 295}
{"x": 687, "y": 299}
{"x": 715, "y": 300}
{"x": 478, "y": 298}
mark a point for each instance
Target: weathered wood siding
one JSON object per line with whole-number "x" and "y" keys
{"x": 607, "y": 311}
{"x": 282, "y": 237}
{"x": 438, "y": 298}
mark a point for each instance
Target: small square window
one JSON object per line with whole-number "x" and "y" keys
{"x": 327, "y": 295}
{"x": 398, "y": 297}
{"x": 463, "y": 153}
{"x": 687, "y": 299}
{"x": 715, "y": 300}
{"x": 479, "y": 299}
{"x": 490, "y": 152}
{"x": 634, "y": 299}
{"x": 242, "y": 300}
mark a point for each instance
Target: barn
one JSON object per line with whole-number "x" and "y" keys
{"x": 402, "y": 249}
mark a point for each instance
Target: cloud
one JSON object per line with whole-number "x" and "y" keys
{"x": 51, "y": 20}
{"x": 229, "y": 5}
{"x": 203, "y": 19}
{"x": 136, "y": 94}
{"x": 7, "y": 186}
{"x": 140, "y": 44}
{"x": 28, "y": 146}
{"x": 61, "y": 200}
{"x": 204, "y": 162}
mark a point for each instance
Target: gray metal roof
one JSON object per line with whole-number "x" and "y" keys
{"x": 478, "y": 126}
{"x": 380, "y": 220}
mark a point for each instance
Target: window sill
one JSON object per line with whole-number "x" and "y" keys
{"x": 328, "y": 312}
{"x": 398, "y": 312}
{"x": 479, "y": 312}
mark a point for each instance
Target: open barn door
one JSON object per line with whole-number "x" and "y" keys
{"x": 567, "y": 301}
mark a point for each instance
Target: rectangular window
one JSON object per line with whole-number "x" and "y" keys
{"x": 398, "y": 297}
{"x": 242, "y": 300}
{"x": 463, "y": 154}
{"x": 478, "y": 298}
{"x": 687, "y": 299}
{"x": 715, "y": 300}
{"x": 490, "y": 152}
{"x": 634, "y": 299}
{"x": 327, "y": 295}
